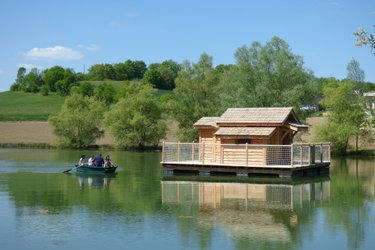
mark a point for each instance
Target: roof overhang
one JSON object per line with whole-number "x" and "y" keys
{"x": 245, "y": 132}
{"x": 297, "y": 127}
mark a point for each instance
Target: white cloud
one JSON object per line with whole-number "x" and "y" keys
{"x": 28, "y": 66}
{"x": 91, "y": 47}
{"x": 57, "y": 52}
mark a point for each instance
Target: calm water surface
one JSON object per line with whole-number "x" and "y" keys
{"x": 139, "y": 208}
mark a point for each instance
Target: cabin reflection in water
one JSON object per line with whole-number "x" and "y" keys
{"x": 251, "y": 210}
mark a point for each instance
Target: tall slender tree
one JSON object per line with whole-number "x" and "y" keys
{"x": 355, "y": 73}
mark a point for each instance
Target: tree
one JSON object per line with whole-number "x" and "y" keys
{"x": 86, "y": 89}
{"x": 77, "y": 124}
{"x": 32, "y": 81}
{"x": 196, "y": 95}
{"x": 129, "y": 70}
{"x": 355, "y": 73}
{"x": 153, "y": 76}
{"x": 135, "y": 120}
{"x": 105, "y": 92}
{"x": 347, "y": 116}
{"x": 18, "y": 85}
{"x": 364, "y": 38}
{"x": 63, "y": 86}
{"x": 266, "y": 76}
{"x": 52, "y": 75}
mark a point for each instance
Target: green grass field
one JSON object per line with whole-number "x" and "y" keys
{"x": 20, "y": 106}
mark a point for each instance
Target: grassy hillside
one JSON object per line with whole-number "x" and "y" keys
{"x": 19, "y": 106}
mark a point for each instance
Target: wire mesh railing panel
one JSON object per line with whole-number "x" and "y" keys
{"x": 278, "y": 155}
{"x": 317, "y": 154}
{"x": 326, "y": 153}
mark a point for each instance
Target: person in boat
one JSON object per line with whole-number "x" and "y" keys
{"x": 91, "y": 161}
{"x": 81, "y": 160}
{"x": 107, "y": 162}
{"x": 99, "y": 160}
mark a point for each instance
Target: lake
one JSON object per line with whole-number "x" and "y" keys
{"x": 141, "y": 208}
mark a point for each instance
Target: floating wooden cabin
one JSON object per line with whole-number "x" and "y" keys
{"x": 248, "y": 140}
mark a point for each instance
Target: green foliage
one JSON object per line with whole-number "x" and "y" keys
{"x": 86, "y": 89}
{"x": 128, "y": 70}
{"x": 17, "y": 86}
{"x": 77, "y": 125}
{"x": 32, "y": 81}
{"x": 135, "y": 120}
{"x": 20, "y": 106}
{"x": 44, "y": 90}
{"x": 162, "y": 76}
{"x": 105, "y": 92}
{"x": 347, "y": 116}
{"x": 195, "y": 95}
{"x": 266, "y": 76}
{"x": 355, "y": 73}
{"x": 365, "y": 38}
{"x": 52, "y": 75}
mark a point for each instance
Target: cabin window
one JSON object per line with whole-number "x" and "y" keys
{"x": 243, "y": 141}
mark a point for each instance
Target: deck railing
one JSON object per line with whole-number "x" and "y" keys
{"x": 295, "y": 155}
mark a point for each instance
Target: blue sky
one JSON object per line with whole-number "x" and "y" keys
{"x": 80, "y": 33}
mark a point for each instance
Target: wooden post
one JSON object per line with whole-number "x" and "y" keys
{"x": 321, "y": 153}
{"x": 163, "y": 151}
{"x": 178, "y": 151}
{"x": 301, "y": 154}
{"x": 192, "y": 151}
{"x": 309, "y": 154}
{"x": 291, "y": 154}
{"x": 221, "y": 153}
{"x": 203, "y": 148}
{"x": 247, "y": 154}
{"x": 329, "y": 152}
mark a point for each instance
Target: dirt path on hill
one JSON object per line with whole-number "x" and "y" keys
{"x": 33, "y": 133}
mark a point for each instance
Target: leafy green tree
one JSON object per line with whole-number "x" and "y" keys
{"x": 77, "y": 125}
{"x": 18, "y": 85}
{"x": 135, "y": 120}
{"x": 196, "y": 95}
{"x": 101, "y": 72}
{"x": 355, "y": 73}
{"x": 52, "y": 75}
{"x": 347, "y": 116}
{"x": 153, "y": 76}
{"x": 266, "y": 76}
{"x": 44, "y": 90}
{"x": 105, "y": 92}
{"x": 63, "y": 86}
{"x": 86, "y": 89}
{"x": 169, "y": 71}
{"x": 32, "y": 81}
{"x": 365, "y": 38}
{"x": 139, "y": 69}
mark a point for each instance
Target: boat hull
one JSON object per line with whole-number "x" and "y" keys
{"x": 93, "y": 170}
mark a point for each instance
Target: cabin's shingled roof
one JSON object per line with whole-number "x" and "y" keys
{"x": 207, "y": 122}
{"x": 245, "y": 131}
{"x": 255, "y": 115}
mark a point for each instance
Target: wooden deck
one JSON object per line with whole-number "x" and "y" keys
{"x": 280, "y": 160}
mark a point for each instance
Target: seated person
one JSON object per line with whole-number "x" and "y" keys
{"x": 107, "y": 162}
{"x": 99, "y": 160}
{"x": 81, "y": 160}
{"x": 90, "y": 162}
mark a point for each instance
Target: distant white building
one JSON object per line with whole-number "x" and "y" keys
{"x": 370, "y": 96}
